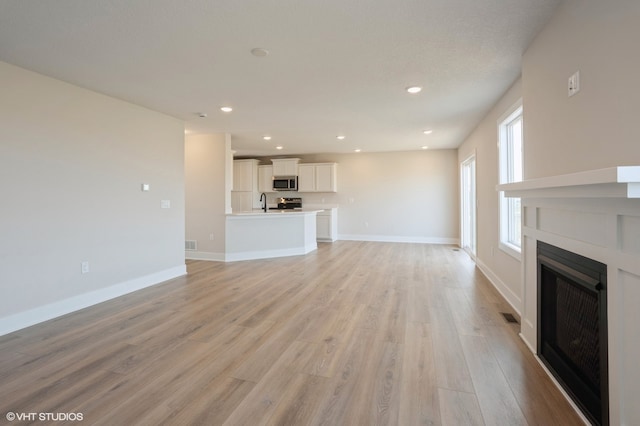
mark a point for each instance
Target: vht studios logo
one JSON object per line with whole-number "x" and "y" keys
{"x": 44, "y": 417}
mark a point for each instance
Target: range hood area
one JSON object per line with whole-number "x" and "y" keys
{"x": 279, "y": 178}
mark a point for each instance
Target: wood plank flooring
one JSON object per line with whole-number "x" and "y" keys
{"x": 357, "y": 333}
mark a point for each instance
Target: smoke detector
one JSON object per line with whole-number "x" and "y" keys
{"x": 259, "y": 52}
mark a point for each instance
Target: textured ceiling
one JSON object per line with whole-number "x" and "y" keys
{"x": 334, "y": 66}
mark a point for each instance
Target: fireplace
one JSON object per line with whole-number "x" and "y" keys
{"x": 596, "y": 214}
{"x": 572, "y": 327}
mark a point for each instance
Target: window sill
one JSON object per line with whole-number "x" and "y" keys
{"x": 511, "y": 250}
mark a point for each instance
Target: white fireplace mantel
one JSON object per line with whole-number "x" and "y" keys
{"x": 595, "y": 214}
{"x": 613, "y": 182}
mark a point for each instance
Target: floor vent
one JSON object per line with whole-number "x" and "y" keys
{"x": 191, "y": 245}
{"x": 509, "y": 318}
{"x": 456, "y": 249}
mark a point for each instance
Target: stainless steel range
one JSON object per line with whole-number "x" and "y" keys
{"x": 289, "y": 203}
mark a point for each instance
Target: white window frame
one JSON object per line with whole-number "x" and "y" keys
{"x": 506, "y": 167}
{"x": 468, "y": 206}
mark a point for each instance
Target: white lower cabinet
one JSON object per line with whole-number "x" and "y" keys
{"x": 327, "y": 225}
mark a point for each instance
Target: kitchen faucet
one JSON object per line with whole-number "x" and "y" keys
{"x": 264, "y": 206}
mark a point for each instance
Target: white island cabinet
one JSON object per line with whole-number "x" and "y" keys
{"x": 317, "y": 177}
{"x": 260, "y": 235}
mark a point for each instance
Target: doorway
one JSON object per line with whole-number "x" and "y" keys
{"x": 468, "y": 205}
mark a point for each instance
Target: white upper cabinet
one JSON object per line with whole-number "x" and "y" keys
{"x": 285, "y": 166}
{"x": 244, "y": 196}
{"x": 265, "y": 178}
{"x": 306, "y": 178}
{"x": 317, "y": 177}
{"x": 326, "y": 177}
{"x": 245, "y": 175}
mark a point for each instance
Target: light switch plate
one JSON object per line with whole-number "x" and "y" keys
{"x": 574, "y": 84}
{"x": 146, "y": 187}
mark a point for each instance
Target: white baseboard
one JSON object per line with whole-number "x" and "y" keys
{"x": 513, "y": 299}
{"x": 526, "y": 342}
{"x": 44, "y": 313}
{"x": 268, "y": 254}
{"x": 249, "y": 255}
{"x": 562, "y": 391}
{"x": 399, "y": 239}
{"x": 298, "y": 251}
{"x": 204, "y": 255}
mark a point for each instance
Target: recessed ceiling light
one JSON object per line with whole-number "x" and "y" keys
{"x": 427, "y": 132}
{"x": 340, "y": 137}
{"x": 226, "y": 109}
{"x": 279, "y": 147}
{"x": 414, "y": 89}
{"x": 425, "y": 147}
{"x": 259, "y": 52}
{"x": 357, "y": 150}
{"x": 266, "y": 138}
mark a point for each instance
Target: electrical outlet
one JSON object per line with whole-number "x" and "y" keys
{"x": 165, "y": 204}
{"x": 574, "y": 84}
{"x": 84, "y": 267}
{"x": 211, "y": 237}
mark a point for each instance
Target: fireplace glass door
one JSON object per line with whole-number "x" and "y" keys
{"x": 572, "y": 326}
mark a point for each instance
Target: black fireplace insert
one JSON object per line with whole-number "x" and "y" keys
{"x": 572, "y": 327}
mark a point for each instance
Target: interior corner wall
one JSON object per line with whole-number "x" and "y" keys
{"x": 72, "y": 165}
{"x": 502, "y": 269}
{"x": 207, "y": 182}
{"x": 598, "y": 126}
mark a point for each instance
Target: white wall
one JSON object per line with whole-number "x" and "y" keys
{"x": 393, "y": 196}
{"x": 594, "y": 129}
{"x": 598, "y": 127}
{"x": 71, "y": 167}
{"x": 502, "y": 269}
{"x": 206, "y": 192}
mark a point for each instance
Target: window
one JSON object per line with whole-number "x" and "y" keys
{"x": 510, "y": 138}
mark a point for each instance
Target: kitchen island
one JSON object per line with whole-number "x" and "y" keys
{"x": 275, "y": 233}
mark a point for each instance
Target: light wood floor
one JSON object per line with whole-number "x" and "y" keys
{"x": 357, "y": 333}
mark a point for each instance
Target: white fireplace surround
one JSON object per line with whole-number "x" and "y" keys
{"x": 595, "y": 214}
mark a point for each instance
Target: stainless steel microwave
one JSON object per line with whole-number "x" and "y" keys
{"x": 285, "y": 183}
